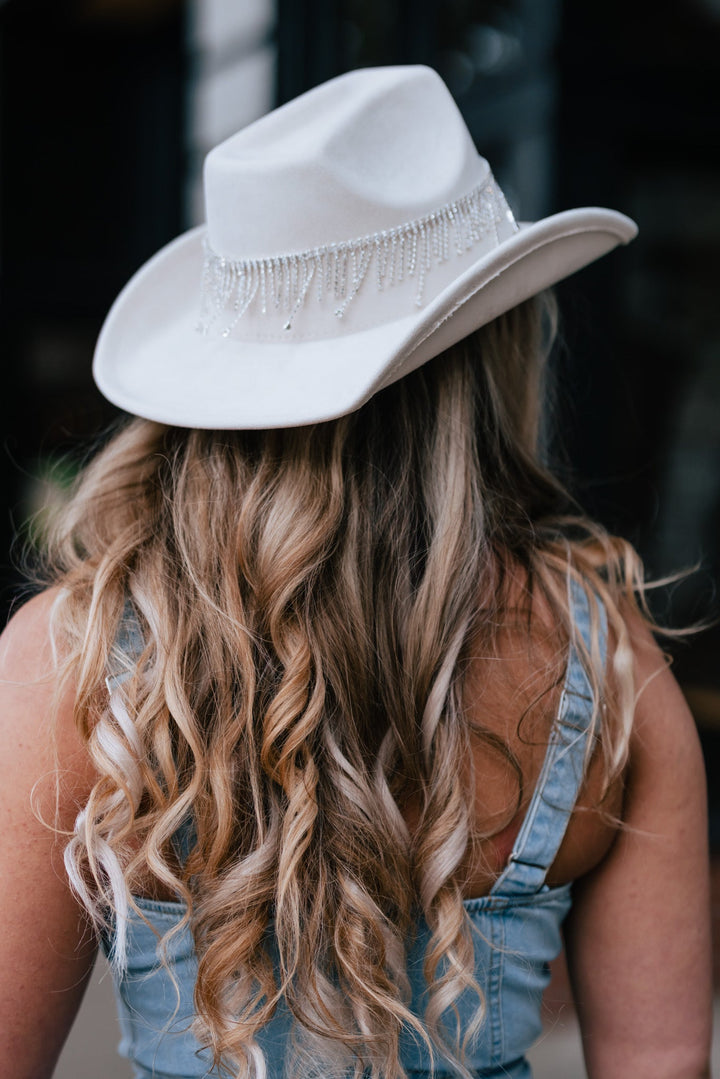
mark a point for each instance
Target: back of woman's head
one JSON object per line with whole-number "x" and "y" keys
{"x": 306, "y": 598}
{"x": 468, "y": 418}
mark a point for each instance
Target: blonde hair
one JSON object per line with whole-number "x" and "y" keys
{"x": 307, "y": 598}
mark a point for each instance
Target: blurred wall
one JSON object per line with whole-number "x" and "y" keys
{"x": 92, "y": 152}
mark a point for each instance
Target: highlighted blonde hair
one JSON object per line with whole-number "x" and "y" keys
{"x": 307, "y": 598}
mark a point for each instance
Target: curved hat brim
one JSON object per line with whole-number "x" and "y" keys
{"x": 152, "y": 361}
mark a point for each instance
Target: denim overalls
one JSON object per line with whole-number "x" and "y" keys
{"x": 518, "y": 926}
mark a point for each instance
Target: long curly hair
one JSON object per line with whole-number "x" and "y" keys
{"x": 307, "y": 598}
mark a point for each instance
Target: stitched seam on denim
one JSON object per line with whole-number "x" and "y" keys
{"x": 497, "y": 943}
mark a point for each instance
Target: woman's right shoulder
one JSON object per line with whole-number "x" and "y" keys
{"x": 639, "y": 933}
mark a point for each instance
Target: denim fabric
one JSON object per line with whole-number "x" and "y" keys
{"x": 517, "y": 933}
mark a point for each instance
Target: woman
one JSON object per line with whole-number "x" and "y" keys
{"x": 334, "y": 706}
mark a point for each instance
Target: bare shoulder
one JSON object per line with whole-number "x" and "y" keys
{"x": 663, "y": 720}
{"x": 37, "y": 707}
{"x": 46, "y": 947}
{"x": 639, "y": 932}
{"x": 665, "y": 757}
{"x": 26, "y": 647}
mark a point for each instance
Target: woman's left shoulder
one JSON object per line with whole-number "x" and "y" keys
{"x": 37, "y": 705}
{"x": 46, "y": 775}
{"x": 26, "y": 642}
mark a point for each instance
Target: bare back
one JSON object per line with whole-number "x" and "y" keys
{"x": 512, "y": 697}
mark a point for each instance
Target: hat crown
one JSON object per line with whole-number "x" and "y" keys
{"x": 365, "y": 152}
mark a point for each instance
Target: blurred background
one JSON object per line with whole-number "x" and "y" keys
{"x": 107, "y": 108}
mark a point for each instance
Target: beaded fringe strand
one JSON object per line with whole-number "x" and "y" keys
{"x": 336, "y": 272}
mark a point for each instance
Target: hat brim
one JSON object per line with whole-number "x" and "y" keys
{"x": 152, "y": 361}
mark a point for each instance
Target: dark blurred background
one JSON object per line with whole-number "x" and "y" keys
{"x": 107, "y": 108}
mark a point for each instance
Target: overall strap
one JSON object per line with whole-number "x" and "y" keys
{"x": 127, "y": 648}
{"x": 559, "y": 782}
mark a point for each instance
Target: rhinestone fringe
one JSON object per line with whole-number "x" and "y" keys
{"x": 336, "y": 272}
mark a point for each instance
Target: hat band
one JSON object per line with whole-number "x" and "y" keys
{"x": 282, "y": 284}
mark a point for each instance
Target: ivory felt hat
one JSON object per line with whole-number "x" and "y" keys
{"x": 351, "y": 235}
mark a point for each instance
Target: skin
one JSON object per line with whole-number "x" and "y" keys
{"x": 46, "y": 948}
{"x": 638, "y": 936}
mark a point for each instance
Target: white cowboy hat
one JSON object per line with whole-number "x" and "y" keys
{"x": 352, "y": 235}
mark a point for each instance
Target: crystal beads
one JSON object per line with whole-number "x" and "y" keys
{"x": 281, "y": 285}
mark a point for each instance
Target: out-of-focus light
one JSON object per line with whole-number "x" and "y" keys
{"x": 493, "y": 50}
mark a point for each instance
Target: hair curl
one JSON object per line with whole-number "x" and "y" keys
{"x": 307, "y": 599}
